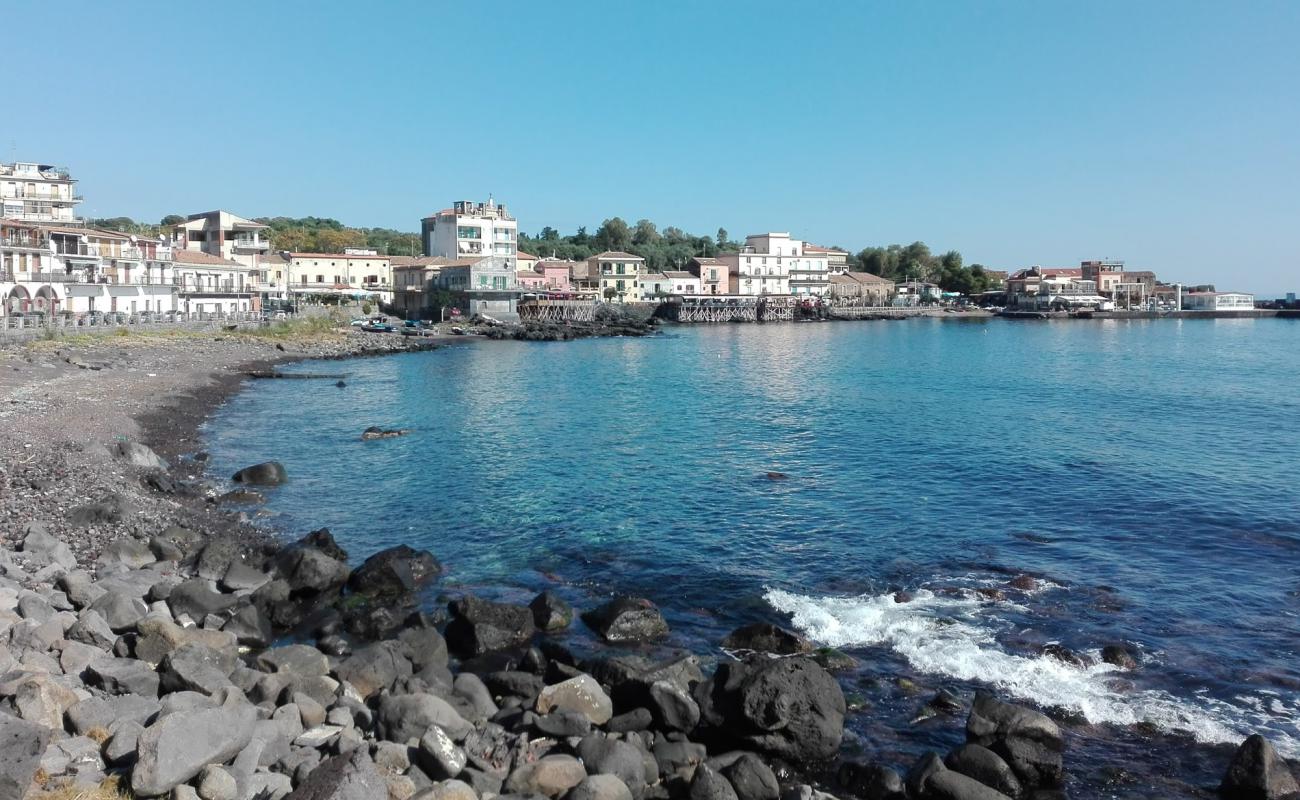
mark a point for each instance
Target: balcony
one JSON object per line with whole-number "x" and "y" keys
{"x": 252, "y": 245}
{"x": 23, "y": 244}
{"x": 220, "y": 287}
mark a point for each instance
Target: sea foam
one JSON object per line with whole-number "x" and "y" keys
{"x": 954, "y": 637}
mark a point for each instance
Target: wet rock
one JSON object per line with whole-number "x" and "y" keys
{"x": 765, "y": 638}
{"x": 1066, "y": 656}
{"x": 550, "y": 776}
{"x": 242, "y": 497}
{"x": 1119, "y": 656}
{"x": 582, "y": 695}
{"x": 1024, "y": 583}
{"x": 268, "y": 473}
{"x": 1027, "y": 740}
{"x": 394, "y": 571}
{"x": 323, "y": 540}
{"x": 627, "y": 619}
{"x": 173, "y": 749}
{"x": 550, "y": 613}
{"x": 871, "y": 781}
{"x": 348, "y": 776}
{"x": 985, "y": 766}
{"x": 481, "y": 626}
{"x": 776, "y": 476}
{"x": 931, "y": 780}
{"x": 789, "y": 707}
{"x": 310, "y": 572}
{"x": 22, "y": 744}
{"x": 1258, "y": 773}
{"x": 376, "y": 432}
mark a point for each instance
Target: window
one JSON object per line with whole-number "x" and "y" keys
{"x": 468, "y": 232}
{"x": 713, "y": 274}
{"x": 320, "y": 278}
{"x": 621, "y": 267}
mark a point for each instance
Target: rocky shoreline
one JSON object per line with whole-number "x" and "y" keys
{"x": 153, "y": 640}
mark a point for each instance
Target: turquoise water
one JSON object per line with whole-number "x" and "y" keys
{"x": 1143, "y": 471}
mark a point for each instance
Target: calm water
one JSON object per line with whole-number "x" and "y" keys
{"x": 1144, "y": 471}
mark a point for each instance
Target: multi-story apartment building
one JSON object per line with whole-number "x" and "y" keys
{"x": 232, "y": 238}
{"x": 1106, "y": 273}
{"x": 414, "y": 279}
{"x": 470, "y": 229}
{"x": 774, "y": 263}
{"x": 352, "y": 273}
{"x": 37, "y": 193}
{"x": 615, "y": 276}
{"x": 837, "y": 261}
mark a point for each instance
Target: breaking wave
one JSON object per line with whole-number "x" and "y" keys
{"x": 952, "y": 636}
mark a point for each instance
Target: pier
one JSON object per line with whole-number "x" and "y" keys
{"x": 544, "y": 309}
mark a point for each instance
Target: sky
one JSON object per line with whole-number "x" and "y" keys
{"x": 1166, "y": 134}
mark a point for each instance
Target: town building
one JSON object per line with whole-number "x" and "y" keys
{"x": 33, "y": 192}
{"x": 469, "y": 229}
{"x": 1105, "y": 273}
{"x": 653, "y": 286}
{"x": 557, "y": 276}
{"x": 837, "y": 260}
{"x": 684, "y": 283}
{"x": 774, "y": 263}
{"x": 230, "y": 237}
{"x": 861, "y": 288}
{"x": 483, "y": 286}
{"x": 414, "y": 280}
{"x": 714, "y": 274}
{"x": 525, "y": 261}
{"x": 1218, "y": 301}
{"x": 210, "y": 284}
{"x": 614, "y": 276}
{"x": 354, "y": 273}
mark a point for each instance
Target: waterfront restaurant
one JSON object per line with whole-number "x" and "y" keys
{"x": 1218, "y": 301}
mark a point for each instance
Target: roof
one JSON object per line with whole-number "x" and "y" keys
{"x": 274, "y": 258}
{"x": 235, "y": 219}
{"x": 415, "y": 261}
{"x": 64, "y": 229}
{"x": 344, "y": 256}
{"x": 608, "y": 254}
{"x": 866, "y": 277}
{"x": 678, "y": 274}
{"x": 707, "y": 260}
{"x": 199, "y": 257}
{"x": 521, "y": 255}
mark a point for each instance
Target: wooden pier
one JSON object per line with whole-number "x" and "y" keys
{"x": 548, "y": 310}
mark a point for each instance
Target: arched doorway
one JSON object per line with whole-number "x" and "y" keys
{"x": 46, "y": 299}
{"x": 16, "y": 301}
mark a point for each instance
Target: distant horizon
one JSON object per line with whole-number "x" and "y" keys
{"x": 1017, "y": 134}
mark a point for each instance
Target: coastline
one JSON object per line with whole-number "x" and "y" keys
{"x": 168, "y": 420}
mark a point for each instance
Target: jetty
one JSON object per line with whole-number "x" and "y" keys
{"x": 544, "y": 309}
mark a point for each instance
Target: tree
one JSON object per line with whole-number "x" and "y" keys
{"x": 613, "y": 234}
{"x": 171, "y": 220}
{"x": 722, "y": 238}
{"x": 549, "y": 234}
{"x": 645, "y": 233}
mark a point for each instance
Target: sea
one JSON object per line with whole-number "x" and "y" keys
{"x": 1143, "y": 473}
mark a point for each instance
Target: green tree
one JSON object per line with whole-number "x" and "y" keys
{"x": 171, "y": 220}
{"x": 722, "y": 238}
{"x": 645, "y": 233}
{"x": 613, "y": 234}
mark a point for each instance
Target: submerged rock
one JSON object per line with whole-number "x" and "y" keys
{"x": 375, "y": 432}
{"x": 627, "y": 619}
{"x": 766, "y": 638}
{"x": 268, "y": 473}
{"x": 481, "y": 626}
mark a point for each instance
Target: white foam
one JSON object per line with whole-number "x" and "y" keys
{"x": 950, "y": 636}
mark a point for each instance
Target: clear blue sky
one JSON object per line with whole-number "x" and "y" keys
{"x": 1163, "y": 133}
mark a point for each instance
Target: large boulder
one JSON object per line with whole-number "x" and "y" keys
{"x": 120, "y": 610}
{"x": 137, "y": 455}
{"x": 481, "y": 626}
{"x": 310, "y": 572}
{"x": 550, "y": 612}
{"x": 268, "y": 473}
{"x": 39, "y": 545}
{"x": 707, "y": 784}
{"x": 580, "y": 694}
{"x": 176, "y": 747}
{"x": 1029, "y": 741}
{"x": 397, "y": 570}
{"x": 788, "y": 707}
{"x": 374, "y": 667}
{"x": 348, "y": 776}
{"x": 37, "y": 697}
{"x": 931, "y": 780}
{"x": 762, "y": 637}
{"x": 603, "y": 756}
{"x": 627, "y": 619}
{"x": 1258, "y": 773}
{"x": 752, "y": 778}
{"x": 22, "y": 744}
{"x": 197, "y": 598}
{"x": 600, "y": 787}
{"x": 194, "y": 667}
{"x": 985, "y": 766}
{"x": 404, "y": 717}
{"x": 550, "y": 776}
{"x": 124, "y": 676}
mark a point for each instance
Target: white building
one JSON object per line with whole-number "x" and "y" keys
{"x": 684, "y": 283}
{"x": 654, "y": 286}
{"x": 773, "y": 263}
{"x": 486, "y": 286}
{"x": 468, "y": 230}
{"x": 210, "y": 284}
{"x": 353, "y": 273}
{"x": 1218, "y": 301}
{"x": 37, "y": 193}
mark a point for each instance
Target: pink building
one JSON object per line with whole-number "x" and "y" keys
{"x": 556, "y": 275}
{"x": 530, "y": 281}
